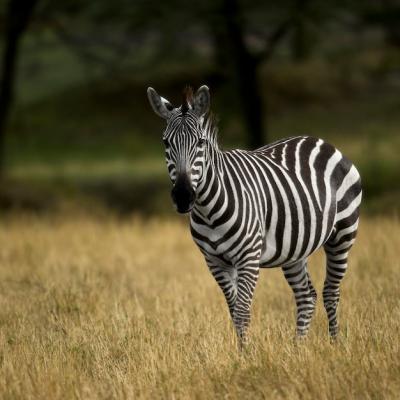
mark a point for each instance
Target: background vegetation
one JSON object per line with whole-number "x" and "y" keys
{"x": 102, "y": 293}
{"x": 75, "y": 126}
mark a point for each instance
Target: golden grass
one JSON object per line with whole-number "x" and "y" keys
{"x": 103, "y": 309}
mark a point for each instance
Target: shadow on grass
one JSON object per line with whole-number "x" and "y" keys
{"x": 120, "y": 196}
{"x": 125, "y": 197}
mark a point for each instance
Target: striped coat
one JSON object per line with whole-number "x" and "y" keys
{"x": 285, "y": 198}
{"x": 270, "y": 207}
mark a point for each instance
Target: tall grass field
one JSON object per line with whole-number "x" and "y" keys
{"x": 99, "y": 308}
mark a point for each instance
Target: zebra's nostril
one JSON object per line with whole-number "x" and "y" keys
{"x": 183, "y": 194}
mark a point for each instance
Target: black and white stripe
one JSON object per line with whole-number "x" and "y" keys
{"x": 265, "y": 208}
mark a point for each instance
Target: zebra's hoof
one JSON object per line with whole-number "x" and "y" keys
{"x": 300, "y": 336}
{"x": 333, "y": 332}
{"x": 333, "y": 336}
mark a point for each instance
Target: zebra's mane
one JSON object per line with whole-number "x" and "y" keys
{"x": 210, "y": 127}
{"x": 187, "y": 99}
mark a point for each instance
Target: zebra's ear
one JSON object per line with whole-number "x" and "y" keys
{"x": 202, "y": 101}
{"x": 162, "y": 107}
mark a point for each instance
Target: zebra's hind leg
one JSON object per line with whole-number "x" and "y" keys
{"x": 336, "y": 250}
{"x": 304, "y": 294}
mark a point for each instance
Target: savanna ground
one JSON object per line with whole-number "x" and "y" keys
{"x": 100, "y": 308}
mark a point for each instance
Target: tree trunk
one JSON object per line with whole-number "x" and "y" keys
{"x": 246, "y": 75}
{"x": 301, "y": 40}
{"x": 17, "y": 17}
{"x": 252, "y": 103}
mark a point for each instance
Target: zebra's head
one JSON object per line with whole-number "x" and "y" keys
{"x": 185, "y": 142}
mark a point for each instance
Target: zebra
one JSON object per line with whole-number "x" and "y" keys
{"x": 270, "y": 207}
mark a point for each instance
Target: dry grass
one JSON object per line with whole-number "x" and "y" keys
{"x": 95, "y": 308}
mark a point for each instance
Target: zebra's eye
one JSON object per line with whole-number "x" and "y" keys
{"x": 166, "y": 143}
{"x": 201, "y": 142}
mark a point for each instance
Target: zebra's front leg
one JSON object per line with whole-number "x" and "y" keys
{"x": 247, "y": 277}
{"x": 226, "y": 278}
{"x": 304, "y": 293}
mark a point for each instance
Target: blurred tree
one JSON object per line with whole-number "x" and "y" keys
{"x": 243, "y": 35}
{"x": 108, "y": 33}
{"x": 245, "y": 50}
{"x": 16, "y": 19}
{"x": 301, "y": 41}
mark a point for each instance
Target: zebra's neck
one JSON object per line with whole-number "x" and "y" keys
{"x": 211, "y": 186}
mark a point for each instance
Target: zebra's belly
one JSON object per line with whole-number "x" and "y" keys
{"x": 296, "y": 242}
{"x": 287, "y": 239}
{"x": 282, "y": 260}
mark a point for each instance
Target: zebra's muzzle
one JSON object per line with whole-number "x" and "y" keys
{"x": 183, "y": 195}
